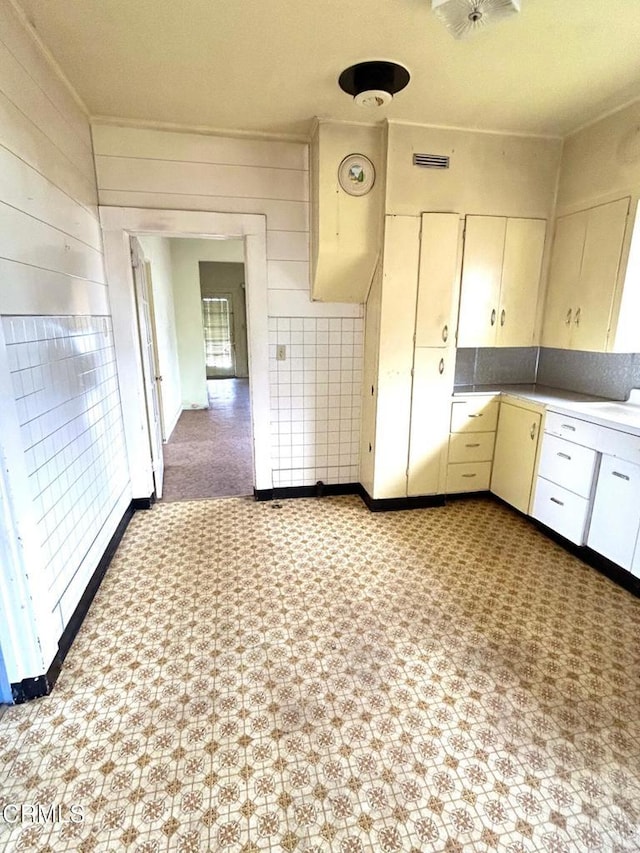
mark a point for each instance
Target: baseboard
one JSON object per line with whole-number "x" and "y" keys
{"x": 320, "y": 490}
{"x": 398, "y": 504}
{"x": 42, "y": 685}
{"x": 143, "y": 503}
{"x": 601, "y": 564}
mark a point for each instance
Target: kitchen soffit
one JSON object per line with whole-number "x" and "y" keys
{"x": 269, "y": 67}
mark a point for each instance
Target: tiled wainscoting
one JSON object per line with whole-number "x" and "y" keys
{"x": 315, "y": 399}
{"x": 64, "y": 378}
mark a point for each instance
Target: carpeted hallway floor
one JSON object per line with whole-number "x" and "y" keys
{"x": 310, "y": 676}
{"x": 209, "y": 452}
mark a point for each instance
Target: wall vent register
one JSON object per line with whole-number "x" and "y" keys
{"x": 431, "y": 161}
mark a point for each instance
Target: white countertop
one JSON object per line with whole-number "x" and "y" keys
{"x": 624, "y": 416}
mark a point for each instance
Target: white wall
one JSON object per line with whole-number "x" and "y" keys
{"x": 155, "y": 169}
{"x": 185, "y": 257}
{"x": 65, "y": 483}
{"x": 158, "y": 252}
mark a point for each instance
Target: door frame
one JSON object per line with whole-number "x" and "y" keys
{"x": 118, "y": 225}
{"x": 232, "y": 333}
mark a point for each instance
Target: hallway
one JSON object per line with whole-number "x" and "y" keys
{"x": 209, "y": 452}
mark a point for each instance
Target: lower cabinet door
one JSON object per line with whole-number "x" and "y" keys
{"x": 615, "y": 519}
{"x": 561, "y": 510}
{"x": 515, "y": 455}
{"x": 429, "y": 434}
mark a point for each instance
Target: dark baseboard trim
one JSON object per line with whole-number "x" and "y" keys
{"x": 320, "y": 490}
{"x": 601, "y": 564}
{"x": 399, "y": 504}
{"x": 42, "y": 685}
{"x": 144, "y": 503}
{"x": 459, "y": 496}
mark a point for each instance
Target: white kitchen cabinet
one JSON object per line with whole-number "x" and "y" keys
{"x": 500, "y": 285}
{"x": 565, "y": 479}
{"x": 582, "y": 293}
{"x": 406, "y": 417}
{"x": 615, "y": 518}
{"x": 432, "y": 381}
{"x": 515, "y": 453}
{"x": 438, "y": 280}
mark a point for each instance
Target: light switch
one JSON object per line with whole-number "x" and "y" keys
{"x": 281, "y": 352}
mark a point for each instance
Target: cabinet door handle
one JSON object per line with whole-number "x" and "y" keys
{"x": 493, "y": 317}
{"x": 503, "y": 317}
{"x": 577, "y": 319}
{"x": 567, "y": 322}
{"x": 564, "y": 456}
{"x": 441, "y": 367}
{"x": 445, "y": 333}
{"x": 469, "y": 475}
{"x": 621, "y": 476}
{"x": 476, "y": 415}
{"x": 477, "y": 444}
{"x": 556, "y": 501}
{"x": 532, "y": 433}
{"x": 568, "y": 426}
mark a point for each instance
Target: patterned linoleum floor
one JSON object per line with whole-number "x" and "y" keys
{"x": 309, "y": 676}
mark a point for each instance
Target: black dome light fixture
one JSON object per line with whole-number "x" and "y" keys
{"x": 373, "y": 84}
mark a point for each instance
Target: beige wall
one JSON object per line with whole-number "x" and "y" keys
{"x": 602, "y": 161}
{"x": 157, "y": 250}
{"x": 489, "y": 173}
{"x": 185, "y": 258}
{"x": 347, "y": 230}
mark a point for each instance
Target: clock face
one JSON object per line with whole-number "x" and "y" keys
{"x": 356, "y": 174}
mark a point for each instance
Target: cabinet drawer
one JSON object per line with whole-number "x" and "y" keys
{"x": 623, "y": 445}
{"x": 471, "y": 448}
{"x": 561, "y": 510}
{"x": 468, "y": 477}
{"x": 474, "y": 416}
{"x": 567, "y": 464}
{"x": 573, "y": 429}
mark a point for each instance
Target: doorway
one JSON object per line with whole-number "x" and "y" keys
{"x": 118, "y": 225}
{"x": 193, "y": 339}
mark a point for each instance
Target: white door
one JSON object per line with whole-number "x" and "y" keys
{"x": 147, "y": 352}
{"x": 520, "y": 287}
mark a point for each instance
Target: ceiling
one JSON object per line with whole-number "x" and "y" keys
{"x": 270, "y": 66}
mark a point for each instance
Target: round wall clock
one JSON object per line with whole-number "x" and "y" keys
{"x": 356, "y": 174}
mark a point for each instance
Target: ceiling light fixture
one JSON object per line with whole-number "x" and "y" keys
{"x": 464, "y": 17}
{"x": 373, "y": 84}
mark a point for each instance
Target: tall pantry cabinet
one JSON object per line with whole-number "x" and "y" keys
{"x": 411, "y": 321}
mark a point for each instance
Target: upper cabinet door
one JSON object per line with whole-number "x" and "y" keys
{"x": 564, "y": 280}
{"x": 598, "y": 278}
{"x": 521, "y": 267}
{"x": 438, "y": 280}
{"x": 481, "y": 276}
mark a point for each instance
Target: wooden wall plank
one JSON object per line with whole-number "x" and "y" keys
{"x": 19, "y": 87}
{"x": 27, "y": 52}
{"x": 29, "y": 290}
{"x": 19, "y": 135}
{"x": 197, "y": 147}
{"x": 200, "y": 178}
{"x": 288, "y": 275}
{"x": 287, "y": 246}
{"x": 281, "y": 215}
{"x": 25, "y": 189}
{"x": 29, "y": 241}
